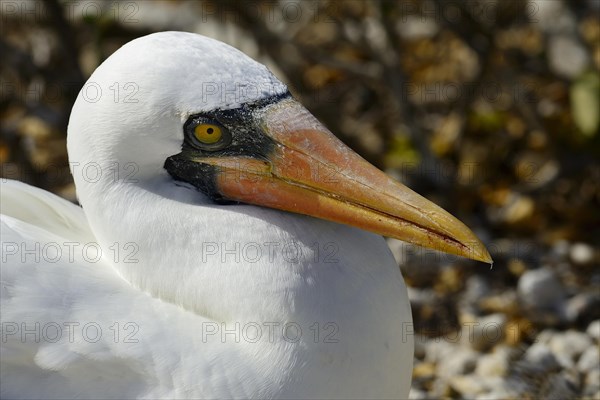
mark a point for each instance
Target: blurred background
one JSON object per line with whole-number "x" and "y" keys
{"x": 489, "y": 108}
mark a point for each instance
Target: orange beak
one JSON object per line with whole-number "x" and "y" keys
{"x": 312, "y": 172}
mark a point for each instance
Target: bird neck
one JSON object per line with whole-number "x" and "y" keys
{"x": 238, "y": 262}
{"x": 223, "y": 262}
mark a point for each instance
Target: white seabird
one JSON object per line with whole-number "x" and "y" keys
{"x": 165, "y": 285}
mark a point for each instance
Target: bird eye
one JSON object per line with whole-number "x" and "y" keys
{"x": 209, "y": 135}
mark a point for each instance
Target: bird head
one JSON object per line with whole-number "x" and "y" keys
{"x": 210, "y": 116}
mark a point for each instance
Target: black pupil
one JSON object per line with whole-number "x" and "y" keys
{"x": 209, "y": 131}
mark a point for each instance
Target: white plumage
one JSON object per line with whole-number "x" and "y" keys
{"x": 155, "y": 289}
{"x": 158, "y": 294}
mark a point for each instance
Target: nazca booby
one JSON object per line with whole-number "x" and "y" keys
{"x": 171, "y": 281}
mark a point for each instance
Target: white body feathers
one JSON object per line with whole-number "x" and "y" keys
{"x": 193, "y": 299}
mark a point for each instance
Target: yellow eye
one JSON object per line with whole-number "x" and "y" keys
{"x": 208, "y": 133}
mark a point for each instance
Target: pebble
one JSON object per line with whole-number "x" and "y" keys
{"x": 459, "y": 362}
{"x": 581, "y": 253}
{"x": 468, "y": 385}
{"x": 440, "y": 388}
{"x": 539, "y": 354}
{"x": 480, "y": 387}
{"x": 421, "y": 296}
{"x": 567, "y": 56}
{"x": 419, "y": 266}
{"x": 438, "y": 350}
{"x": 560, "y": 250}
{"x": 553, "y": 16}
{"x": 420, "y": 346}
{"x": 591, "y": 385}
{"x": 559, "y": 387}
{"x": 589, "y": 360}
{"x": 483, "y": 333}
{"x": 540, "y": 289}
{"x": 518, "y": 330}
{"x": 476, "y": 288}
{"x": 582, "y": 306}
{"x": 424, "y": 370}
{"x": 569, "y": 345}
{"x": 495, "y": 395}
{"x": 416, "y": 394}
{"x": 413, "y": 27}
{"x": 498, "y": 388}
{"x": 593, "y": 330}
{"x": 496, "y": 363}
{"x": 545, "y": 336}
{"x": 491, "y": 365}
{"x": 505, "y": 303}
{"x": 498, "y": 384}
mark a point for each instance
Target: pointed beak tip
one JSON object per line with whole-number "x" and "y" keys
{"x": 473, "y": 248}
{"x": 482, "y": 254}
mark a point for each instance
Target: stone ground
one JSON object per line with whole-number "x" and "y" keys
{"x": 536, "y": 339}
